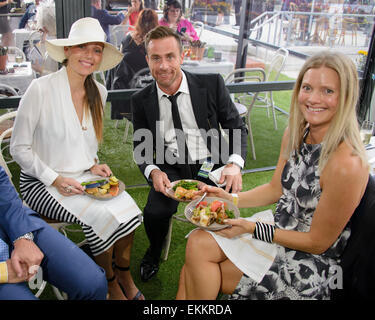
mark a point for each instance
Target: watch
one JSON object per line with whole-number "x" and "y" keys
{"x": 27, "y": 236}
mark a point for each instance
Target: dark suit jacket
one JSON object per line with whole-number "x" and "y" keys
{"x": 14, "y": 217}
{"x": 212, "y": 107}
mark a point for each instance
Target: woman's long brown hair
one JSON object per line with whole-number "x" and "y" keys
{"x": 93, "y": 102}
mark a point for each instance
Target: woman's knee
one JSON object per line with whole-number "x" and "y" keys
{"x": 199, "y": 243}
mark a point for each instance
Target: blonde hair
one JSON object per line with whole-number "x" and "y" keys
{"x": 344, "y": 125}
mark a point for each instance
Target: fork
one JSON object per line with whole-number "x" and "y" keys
{"x": 189, "y": 211}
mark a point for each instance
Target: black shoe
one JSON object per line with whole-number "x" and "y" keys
{"x": 148, "y": 270}
{"x": 149, "y": 266}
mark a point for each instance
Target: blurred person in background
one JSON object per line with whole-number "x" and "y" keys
{"x": 172, "y": 17}
{"x": 133, "y": 13}
{"x": 134, "y": 60}
{"x": 5, "y": 30}
{"x": 29, "y": 13}
{"x": 105, "y": 18}
{"x": 152, "y": 4}
{"x": 45, "y": 18}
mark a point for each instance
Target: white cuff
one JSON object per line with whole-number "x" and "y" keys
{"x": 48, "y": 176}
{"x": 237, "y": 159}
{"x": 148, "y": 170}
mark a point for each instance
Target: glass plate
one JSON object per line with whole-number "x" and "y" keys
{"x": 214, "y": 226}
{"x": 107, "y": 196}
{"x": 171, "y": 192}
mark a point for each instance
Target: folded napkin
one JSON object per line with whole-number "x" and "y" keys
{"x": 104, "y": 216}
{"x": 253, "y": 257}
{"x": 215, "y": 175}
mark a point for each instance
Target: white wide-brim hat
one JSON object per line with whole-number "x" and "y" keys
{"x": 85, "y": 30}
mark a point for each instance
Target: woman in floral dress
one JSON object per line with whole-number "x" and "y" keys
{"x": 320, "y": 178}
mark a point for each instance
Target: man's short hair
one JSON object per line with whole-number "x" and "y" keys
{"x": 161, "y": 32}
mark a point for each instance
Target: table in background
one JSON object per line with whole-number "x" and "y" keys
{"x": 208, "y": 66}
{"x": 21, "y": 78}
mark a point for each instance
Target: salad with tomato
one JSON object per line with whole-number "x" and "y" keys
{"x": 217, "y": 211}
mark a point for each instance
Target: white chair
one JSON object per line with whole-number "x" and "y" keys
{"x": 6, "y": 128}
{"x": 100, "y": 76}
{"x": 33, "y": 38}
{"x": 17, "y": 52}
{"x": 7, "y": 91}
{"x": 199, "y": 27}
{"x": 245, "y": 102}
{"x": 5, "y": 134}
{"x": 168, "y": 238}
{"x": 118, "y": 33}
{"x": 265, "y": 99}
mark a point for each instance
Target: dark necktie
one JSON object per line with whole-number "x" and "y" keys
{"x": 183, "y": 153}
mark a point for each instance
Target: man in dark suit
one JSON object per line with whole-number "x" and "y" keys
{"x": 166, "y": 151}
{"x": 26, "y": 242}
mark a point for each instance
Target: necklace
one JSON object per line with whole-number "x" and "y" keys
{"x": 84, "y": 128}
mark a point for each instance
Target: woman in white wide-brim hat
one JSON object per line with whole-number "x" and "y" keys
{"x": 55, "y": 141}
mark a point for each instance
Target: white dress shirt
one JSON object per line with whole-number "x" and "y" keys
{"x": 196, "y": 145}
{"x": 48, "y": 140}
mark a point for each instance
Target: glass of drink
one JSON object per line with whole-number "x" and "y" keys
{"x": 19, "y": 58}
{"x": 367, "y": 129}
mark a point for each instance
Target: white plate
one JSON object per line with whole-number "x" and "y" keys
{"x": 214, "y": 226}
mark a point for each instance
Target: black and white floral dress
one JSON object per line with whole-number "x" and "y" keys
{"x": 296, "y": 274}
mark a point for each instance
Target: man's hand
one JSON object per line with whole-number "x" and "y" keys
{"x": 232, "y": 175}
{"x": 160, "y": 181}
{"x": 25, "y": 255}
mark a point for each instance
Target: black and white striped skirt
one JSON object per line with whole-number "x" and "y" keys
{"x": 40, "y": 200}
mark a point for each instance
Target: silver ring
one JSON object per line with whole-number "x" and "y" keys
{"x": 68, "y": 189}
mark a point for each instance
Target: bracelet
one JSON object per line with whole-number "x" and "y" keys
{"x": 264, "y": 232}
{"x": 235, "y": 199}
{"x": 3, "y": 272}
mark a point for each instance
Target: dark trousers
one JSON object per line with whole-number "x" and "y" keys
{"x": 159, "y": 208}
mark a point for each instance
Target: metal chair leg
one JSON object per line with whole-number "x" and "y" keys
{"x": 251, "y": 136}
{"x": 126, "y": 130}
{"x": 273, "y": 111}
{"x": 167, "y": 242}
